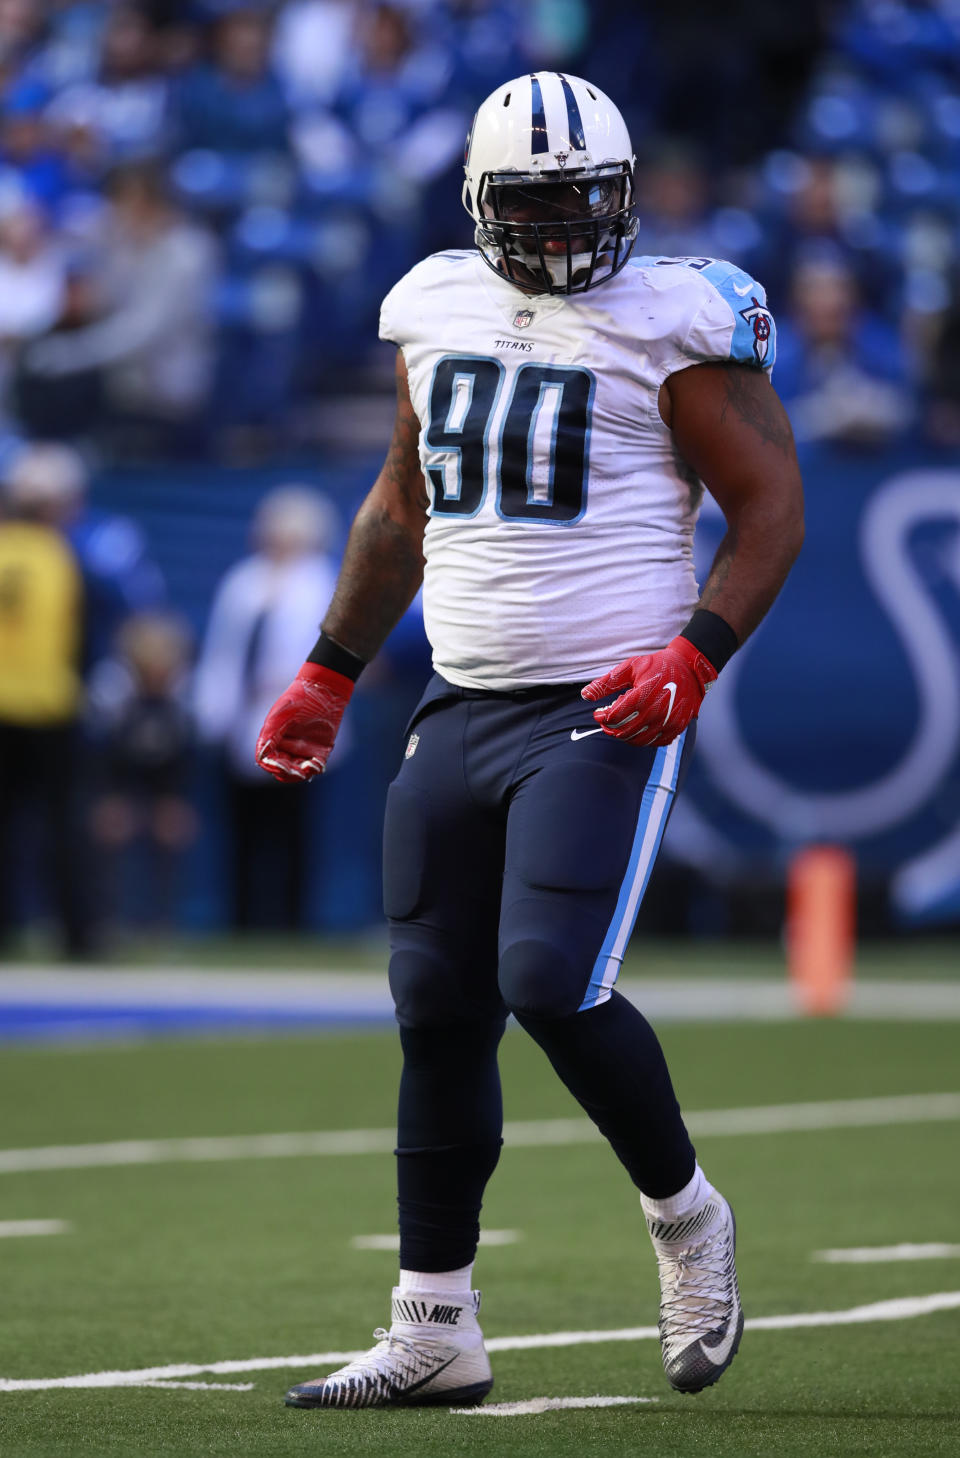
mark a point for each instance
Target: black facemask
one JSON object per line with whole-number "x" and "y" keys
{"x": 557, "y": 234}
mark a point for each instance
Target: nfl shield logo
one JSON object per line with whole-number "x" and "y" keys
{"x": 522, "y": 318}
{"x": 411, "y": 748}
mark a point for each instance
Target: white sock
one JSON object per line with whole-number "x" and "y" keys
{"x": 436, "y": 1283}
{"x": 684, "y": 1202}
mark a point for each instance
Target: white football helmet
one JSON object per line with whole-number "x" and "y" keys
{"x": 549, "y": 183}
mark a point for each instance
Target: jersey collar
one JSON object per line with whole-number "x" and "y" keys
{"x": 521, "y": 311}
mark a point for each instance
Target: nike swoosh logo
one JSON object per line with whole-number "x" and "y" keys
{"x": 404, "y": 1392}
{"x": 583, "y": 733}
{"x": 720, "y": 1355}
{"x": 745, "y": 290}
{"x": 672, "y": 691}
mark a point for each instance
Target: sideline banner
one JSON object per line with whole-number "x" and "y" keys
{"x": 839, "y": 720}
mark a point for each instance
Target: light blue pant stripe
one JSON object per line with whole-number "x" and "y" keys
{"x": 654, "y": 808}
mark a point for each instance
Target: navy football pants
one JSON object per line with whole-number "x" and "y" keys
{"x": 518, "y": 843}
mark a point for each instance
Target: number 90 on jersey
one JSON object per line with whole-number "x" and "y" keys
{"x": 540, "y": 471}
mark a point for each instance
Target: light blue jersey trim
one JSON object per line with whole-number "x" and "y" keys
{"x": 755, "y": 333}
{"x": 754, "y": 330}
{"x": 654, "y": 808}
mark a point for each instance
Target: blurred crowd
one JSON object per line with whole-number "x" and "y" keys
{"x": 121, "y": 729}
{"x": 202, "y": 204}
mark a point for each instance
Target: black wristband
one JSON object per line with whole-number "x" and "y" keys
{"x": 713, "y": 636}
{"x": 334, "y": 656}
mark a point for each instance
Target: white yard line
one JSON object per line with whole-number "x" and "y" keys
{"x": 829, "y": 1114}
{"x": 200, "y": 1386}
{"x": 392, "y": 1242}
{"x": 9, "y": 1229}
{"x": 901, "y": 1309}
{"x": 861, "y": 1255}
{"x": 534, "y": 1134}
{"x": 148, "y": 988}
{"x": 535, "y": 1405}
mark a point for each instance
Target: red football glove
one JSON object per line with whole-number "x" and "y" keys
{"x": 298, "y": 733}
{"x": 664, "y": 692}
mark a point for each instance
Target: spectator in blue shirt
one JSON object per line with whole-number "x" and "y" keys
{"x": 235, "y": 103}
{"x": 841, "y": 370}
{"x": 125, "y": 108}
{"x": 27, "y": 145}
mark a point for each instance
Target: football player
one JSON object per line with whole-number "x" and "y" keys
{"x": 559, "y": 403}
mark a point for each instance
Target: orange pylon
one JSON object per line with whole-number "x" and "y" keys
{"x": 821, "y": 927}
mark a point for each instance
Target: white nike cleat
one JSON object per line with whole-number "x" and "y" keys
{"x": 433, "y": 1353}
{"x": 701, "y": 1319}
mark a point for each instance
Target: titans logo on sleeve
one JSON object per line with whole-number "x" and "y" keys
{"x": 761, "y": 322}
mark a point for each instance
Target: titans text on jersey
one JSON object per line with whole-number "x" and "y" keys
{"x": 560, "y": 532}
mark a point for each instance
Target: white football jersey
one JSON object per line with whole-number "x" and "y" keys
{"x": 560, "y": 531}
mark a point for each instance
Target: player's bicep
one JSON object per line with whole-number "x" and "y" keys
{"x": 383, "y": 563}
{"x": 400, "y": 489}
{"x": 730, "y": 426}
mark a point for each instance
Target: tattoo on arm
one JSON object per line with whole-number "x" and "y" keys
{"x": 401, "y": 470}
{"x": 759, "y": 408}
{"x": 383, "y": 563}
{"x": 729, "y": 423}
{"x": 382, "y": 569}
{"x": 720, "y": 570}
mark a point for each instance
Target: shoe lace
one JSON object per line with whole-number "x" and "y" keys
{"x": 695, "y": 1289}
{"x": 393, "y": 1358}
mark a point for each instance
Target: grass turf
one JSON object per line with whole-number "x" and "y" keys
{"x": 247, "y": 1258}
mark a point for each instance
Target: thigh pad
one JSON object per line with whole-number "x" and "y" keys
{"x": 404, "y": 852}
{"x": 573, "y": 827}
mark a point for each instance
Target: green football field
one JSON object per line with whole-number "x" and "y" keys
{"x": 178, "y": 1257}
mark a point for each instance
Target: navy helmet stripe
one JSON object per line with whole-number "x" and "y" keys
{"x": 574, "y": 119}
{"x": 540, "y": 143}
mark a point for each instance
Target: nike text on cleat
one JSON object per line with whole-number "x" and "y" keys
{"x": 433, "y": 1353}
{"x": 701, "y": 1319}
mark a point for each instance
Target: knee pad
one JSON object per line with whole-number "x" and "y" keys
{"x": 429, "y": 992}
{"x": 420, "y": 990}
{"x": 537, "y": 981}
